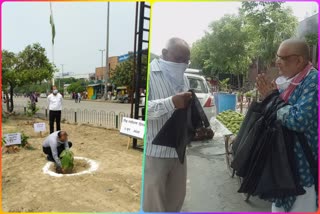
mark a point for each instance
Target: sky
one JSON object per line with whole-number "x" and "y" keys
{"x": 81, "y": 27}
{"x": 80, "y": 31}
{"x": 189, "y": 20}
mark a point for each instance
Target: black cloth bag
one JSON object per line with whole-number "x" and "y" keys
{"x": 279, "y": 178}
{"x": 264, "y": 156}
{"x": 250, "y": 131}
{"x": 179, "y": 130}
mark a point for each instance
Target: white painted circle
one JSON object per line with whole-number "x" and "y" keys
{"x": 93, "y": 167}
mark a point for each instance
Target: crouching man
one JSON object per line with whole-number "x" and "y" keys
{"x": 54, "y": 145}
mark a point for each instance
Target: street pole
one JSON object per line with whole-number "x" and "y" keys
{"x": 62, "y": 77}
{"x": 107, "y": 57}
{"x": 101, "y": 65}
{"x": 102, "y": 57}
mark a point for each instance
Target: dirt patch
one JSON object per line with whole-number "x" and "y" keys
{"x": 114, "y": 187}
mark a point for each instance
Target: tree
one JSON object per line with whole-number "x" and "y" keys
{"x": 123, "y": 73}
{"x": 228, "y": 46}
{"x": 9, "y": 76}
{"x": 30, "y": 66}
{"x": 26, "y": 89}
{"x": 78, "y": 86}
{"x": 268, "y": 24}
{"x": 235, "y": 41}
{"x": 312, "y": 39}
{"x": 200, "y": 54}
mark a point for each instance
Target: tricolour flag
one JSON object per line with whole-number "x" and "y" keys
{"x": 52, "y": 25}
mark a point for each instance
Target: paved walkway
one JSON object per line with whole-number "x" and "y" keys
{"x": 209, "y": 185}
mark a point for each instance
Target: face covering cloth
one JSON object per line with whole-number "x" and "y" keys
{"x": 174, "y": 74}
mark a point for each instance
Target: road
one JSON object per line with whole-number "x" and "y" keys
{"x": 85, "y": 104}
{"x": 209, "y": 185}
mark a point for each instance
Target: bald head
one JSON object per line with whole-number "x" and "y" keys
{"x": 292, "y": 57}
{"x": 297, "y": 46}
{"x": 177, "y": 50}
{"x": 63, "y": 136}
{"x": 176, "y": 43}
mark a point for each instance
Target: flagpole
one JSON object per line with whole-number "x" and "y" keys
{"x": 106, "y": 78}
{"x": 52, "y": 63}
{"x": 51, "y": 19}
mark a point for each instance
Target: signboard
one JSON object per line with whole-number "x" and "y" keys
{"x": 132, "y": 127}
{"x": 12, "y": 139}
{"x": 39, "y": 127}
{"x": 123, "y": 57}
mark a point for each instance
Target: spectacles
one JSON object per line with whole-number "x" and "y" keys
{"x": 284, "y": 58}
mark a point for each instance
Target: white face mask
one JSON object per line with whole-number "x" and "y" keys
{"x": 283, "y": 82}
{"x": 174, "y": 74}
{"x": 55, "y": 91}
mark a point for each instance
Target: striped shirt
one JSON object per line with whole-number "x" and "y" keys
{"x": 160, "y": 109}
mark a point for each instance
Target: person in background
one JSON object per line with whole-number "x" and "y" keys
{"x": 55, "y": 107}
{"x": 300, "y": 91}
{"x": 143, "y": 97}
{"x": 33, "y": 99}
{"x": 165, "y": 177}
{"x": 75, "y": 97}
{"x": 54, "y": 145}
{"x": 79, "y": 97}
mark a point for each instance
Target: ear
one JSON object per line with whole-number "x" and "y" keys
{"x": 165, "y": 54}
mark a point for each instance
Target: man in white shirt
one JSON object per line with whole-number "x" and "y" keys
{"x": 55, "y": 107}
{"x": 164, "y": 175}
{"x": 79, "y": 97}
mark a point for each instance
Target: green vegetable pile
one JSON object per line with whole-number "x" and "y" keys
{"x": 67, "y": 160}
{"x": 231, "y": 119}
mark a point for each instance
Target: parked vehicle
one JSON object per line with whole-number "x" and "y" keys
{"x": 123, "y": 98}
{"x": 43, "y": 95}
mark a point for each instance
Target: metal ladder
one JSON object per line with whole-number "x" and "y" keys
{"x": 141, "y": 47}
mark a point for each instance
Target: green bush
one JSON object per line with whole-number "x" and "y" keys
{"x": 24, "y": 139}
{"x": 224, "y": 85}
{"x": 31, "y": 110}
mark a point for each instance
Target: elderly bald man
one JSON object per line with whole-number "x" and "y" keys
{"x": 164, "y": 175}
{"x": 298, "y": 86}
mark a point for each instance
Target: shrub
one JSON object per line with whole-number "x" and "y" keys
{"x": 67, "y": 160}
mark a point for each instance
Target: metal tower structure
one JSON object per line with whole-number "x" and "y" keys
{"x": 141, "y": 47}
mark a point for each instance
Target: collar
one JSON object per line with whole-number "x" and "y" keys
{"x": 154, "y": 66}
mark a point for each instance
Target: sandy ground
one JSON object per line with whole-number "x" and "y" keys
{"x": 114, "y": 187}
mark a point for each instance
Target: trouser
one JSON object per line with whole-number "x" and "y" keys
{"x": 164, "y": 184}
{"x": 54, "y": 116}
{"x": 47, "y": 150}
{"x": 304, "y": 203}
{"x": 33, "y": 107}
